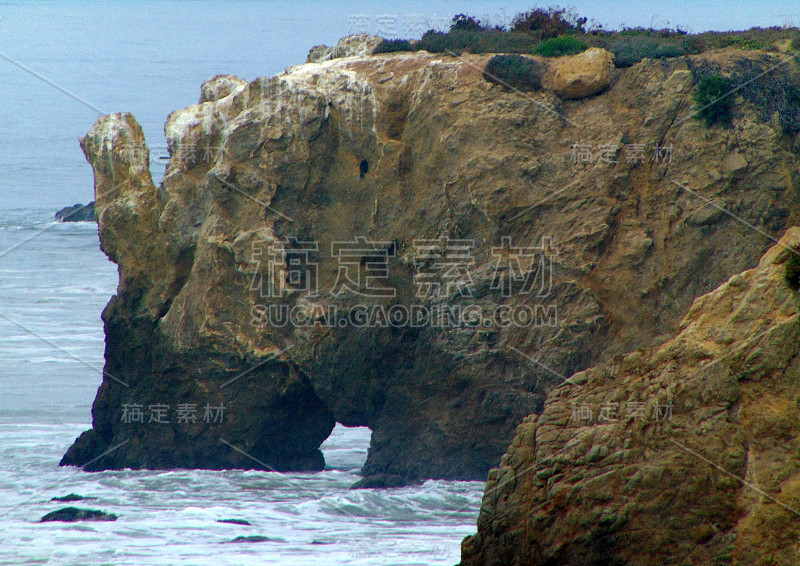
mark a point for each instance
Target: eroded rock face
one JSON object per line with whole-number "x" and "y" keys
{"x": 357, "y": 45}
{"x": 583, "y": 74}
{"x": 686, "y": 453}
{"x": 414, "y": 159}
{"x": 221, "y": 86}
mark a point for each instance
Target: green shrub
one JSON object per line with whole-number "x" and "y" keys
{"x": 713, "y": 101}
{"x": 753, "y": 38}
{"x": 548, "y": 23}
{"x": 792, "y": 273}
{"x": 463, "y": 22}
{"x": 496, "y": 41}
{"x": 630, "y": 49}
{"x": 558, "y": 31}
{"x": 650, "y": 32}
{"x": 561, "y": 45}
{"x": 740, "y": 41}
{"x": 393, "y": 46}
{"x": 776, "y": 91}
{"x": 515, "y": 71}
{"x": 486, "y": 41}
{"x": 440, "y": 42}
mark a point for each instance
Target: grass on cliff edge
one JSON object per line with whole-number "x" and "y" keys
{"x": 772, "y": 88}
{"x": 553, "y": 32}
{"x": 514, "y": 71}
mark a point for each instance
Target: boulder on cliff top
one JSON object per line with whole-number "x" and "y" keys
{"x": 583, "y": 74}
{"x": 690, "y": 449}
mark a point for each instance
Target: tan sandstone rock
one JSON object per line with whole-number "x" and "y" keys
{"x": 688, "y": 453}
{"x": 583, "y": 74}
{"x": 221, "y": 86}
{"x": 357, "y": 45}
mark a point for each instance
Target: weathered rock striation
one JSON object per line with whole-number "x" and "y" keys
{"x": 588, "y": 220}
{"x": 357, "y": 45}
{"x": 696, "y": 459}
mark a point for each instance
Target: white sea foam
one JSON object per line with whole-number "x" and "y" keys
{"x": 56, "y": 286}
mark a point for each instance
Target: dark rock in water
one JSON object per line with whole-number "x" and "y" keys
{"x": 381, "y": 481}
{"x": 71, "y": 497}
{"x": 73, "y": 514}
{"x": 77, "y": 213}
{"x": 235, "y": 522}
{"x": 256, "y": 538}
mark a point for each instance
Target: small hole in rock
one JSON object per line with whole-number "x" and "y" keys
{"x": 363, "y": 167}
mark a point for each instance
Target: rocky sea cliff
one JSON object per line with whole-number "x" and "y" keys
{"x": 392, "y": 241}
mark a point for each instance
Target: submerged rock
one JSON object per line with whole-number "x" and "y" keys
{"x": 74, "y": 514}
{"x": 381, "y": 481}
{"x": 77, "y": 213}
{"x": 71, "y": 497}
{"x": 251, "y": 539}
{"x": 689, "y": 449}
{"x": 235, "y": 522}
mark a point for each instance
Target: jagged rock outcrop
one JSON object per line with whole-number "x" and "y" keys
{"x": 77, "y": 213}
{"x": 357, "y": 45}
{"x": 696, "y": 459}
{"x": 221, "y": 86}
{"x": 570, "y": 215}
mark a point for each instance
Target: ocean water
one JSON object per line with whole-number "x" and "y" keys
{"x": 54, "y": 283}
{"x": 63, "y": 63}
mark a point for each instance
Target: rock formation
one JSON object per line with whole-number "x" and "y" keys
{"x": 70, "y": 498}
{"x": 358, "y": 45}
{"x": 405, "y": 185}
{"x": 74, "y": 514}
{"x": 584, "y": 74}
{"x": 77, "y": 213}
{"x": 688, "y": 453}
